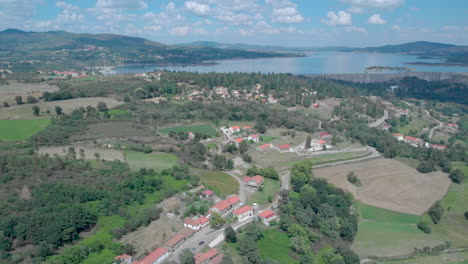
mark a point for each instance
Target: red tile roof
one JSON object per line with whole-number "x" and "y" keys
{"x": 257, "y": 178}
{"x": 154, "y": 256}
{"x": 221, "y": 206}
{"x": 412, "y": 138}
{"x": 285, "y": 146}
{"x": 238, "y": 140}
{"x": 208, "y": 192}
{"x": 202, "y": 257}
{"x": 267, "y": 214}
{"x": 397, "y": 135}
{"x": 247, "y": 127}
{"x": 235, "y": 127}
{"x": 175, "y": 240}
{"x": 243, "y": 210}
{"x": 438, "y": 146}
{"x": 324, "y": 134}
{"x": 123, "y": 257}
{"x": 196, "y": 222}
{"x": 254, "y": 136}
{"x": 321, "y": 141}
{"x": 233, "y": 199}
{"x": 264, "y": 146}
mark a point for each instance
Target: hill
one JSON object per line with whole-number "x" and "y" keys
{"x": 47, "y": 50}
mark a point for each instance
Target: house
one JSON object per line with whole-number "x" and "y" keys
{"x": 208, "y": 193}
{"x": 439, "y": 147}
{"x": 414, "y": 141}
{"x": 317, "y": 145}
{"x": 197, "y": 223}
{"x": 452, "y": 125}
{"x": 234, "y": 129}
{"x": 267, "y": 216}
{"x": 247, "y": 128}
{"x": 386, "y": 127}
{"x": 325, "y": 135}
{"x": 196, "y": 92}
{"x": 233, "y": 200}
{"x": 157, "y": 256}
{"x": 399, "y": 137}
{"x": 237, "y": 141}
{"x": 187, "y": 232}
{"x": 403, "y": 113}
{"x": 284, "y": 148}
{"x": 204, "y": 258}
{"x": 175, "y": 242}
{"x": 221, "y": 207}
{"x": 253, "y": 182}
{"x": 272, "y": 100}
{"x": 123, "y": 259}
{"x": 255, "y": 138}
{"x": 316, "y": 105}
{"x": 244, "y": 212}
{"x": 265, "y": 146}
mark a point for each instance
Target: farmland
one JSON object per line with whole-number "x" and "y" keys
{"x": 22, "y": 129}
{"x": 208, "y": 130}
{"x": 221, "y": 183}
{"x": 389, "y": 184}
{"x": 157, "y": 161}
{"x": 387, "y": 233}
{"x": 270, "y": 188}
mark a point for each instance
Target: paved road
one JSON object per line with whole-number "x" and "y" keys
{"x": 379, "y": 121}
{"x": 241, "y": 193}
{"x": 374, "y": 154}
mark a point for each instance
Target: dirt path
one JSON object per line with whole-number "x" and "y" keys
{"x": 379, "y": 121}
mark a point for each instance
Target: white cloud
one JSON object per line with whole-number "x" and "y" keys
{"x": 286, "y": 15}
{"x": 197, "y": 8}
{"x": 180, "y": 31}
{"x": 355, "y": 29}
{"x": 376, "y": 19}
{"x": 375, "y": 3}
{"x": 338, "y": 18}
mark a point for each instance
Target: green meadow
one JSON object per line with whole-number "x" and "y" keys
{"x": 21, "y": 129}
{"x": 156, "y": 161}
{"x": 219, "y": 182}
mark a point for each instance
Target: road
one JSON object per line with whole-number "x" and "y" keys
{"x": 379, "y": 121}
{"x": 440, "y": 124}
{"x": 241, "y": 193}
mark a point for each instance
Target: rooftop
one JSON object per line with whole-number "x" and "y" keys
{"x": 153, "y": 256}
{"x": 267, "y": 214}
{"x": 243, "y": 210}
{"x": 202, "y": 257}
{"x": 175, "y": 240}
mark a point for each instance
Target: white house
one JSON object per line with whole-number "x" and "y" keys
{"x": 196, "y": 224}
{"x": 255, "y": 138}
{"x": 267, "y": 216}
{"x": 157, "y": 256}
{"x": 243, "y": 213}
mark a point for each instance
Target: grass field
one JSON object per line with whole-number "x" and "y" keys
{"x": 266, "y": 139}
{"x": 275, "y": 245}
{"x": 221, "y": 183}
{"x": 21, "y": 129}
{"x": 387, "y": 233}
{"x": 447, "y": 258}
{"x": 270, "y": 188}
{"x": 203, "y": 129}
{"x": 416, "y": 124}
{"x": 119, "y": 113}
{"x": 156, "y": 161}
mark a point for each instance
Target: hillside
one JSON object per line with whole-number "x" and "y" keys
{"x": 46, "y": 50}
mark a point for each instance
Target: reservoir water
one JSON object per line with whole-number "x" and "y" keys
{"x": 314, "y": 63}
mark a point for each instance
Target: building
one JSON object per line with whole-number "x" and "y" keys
{"x": 247, "y": 128}
{"x": 208, "y": 193}
{"x": 265, "y": 146}
{"x": 414, "y": 141}
{"x": 399, "y": 137}
{"x": 187, "y": 232}
{"x": 255, "y": 138}
{"x": 234, "y": 129}
{"x": 403, "y": 113}
{"x": 157, "y": 256}
{"x": 317, "y": 145}
{"x": 253, "y": 182}
{"x": 191, "y": 135}
{"x": 267, "y": 216}
{"x": 233, "y": 200}
{"x": 386, "y": 127}
{"x": 237, "y": 141}
{"x": 316, "y": 105}
{"x": 439, "y": 147}
{"x": 225, "y": 205}
{"x": 175, "y": 242}
{"x": 325, "y": 135}
{"x": 204, "y": 258}
{"x": 197, "y": 223}
{"x": 284, "y": 148}
{"x": 452, "y": 125}
{"x": 123, "y": 259}
{"x": 244, "y": 212}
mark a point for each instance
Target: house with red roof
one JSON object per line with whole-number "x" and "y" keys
{"x": 225, "y": 205}
{"x": 253, "y": 182}
{"x": 157, "y": 256}
{"x": 237, "y": 141}
{"x": 247, "y": 128}
{"x": 284, "y": 148}
{"x": 234, "y": 129}
{"x": 325, "y": 135}
{"x": 175, "y": 242}
{"x": 414, "y": 141}
{"x": 208, "y": 193}
{"x": 452, "y": 125}
{"x": 197, "y": 223}
{"x": 123, "y": 259}
{"x": 233, "y": 200}
{"x": 398, "y": 136}
{"x": 267, "y": 216}
{"x": 205, "y": 258}
{"x": 403, "y": 113}
{"x": 439, "y": 147}
{"x": 255, "y": 138}
{"x": 244, "y": 212}
{"x": 266, "y": 146}
{"x": 386, "y": 127}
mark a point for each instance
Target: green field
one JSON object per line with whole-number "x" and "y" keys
{"x": 446, "y": 258}
{"x": 221, "y": 183}
{"x": 156, "y": 161}
{"x": 270, "y": 188}
{"x": 416, "y": 124}
{"x": 21, "y": 129}
{"x": 203, "y": 129}
{"x": 275, "y": 245}
{"x": 329, "y": 158}
{"x": 266, "y": 139}
{"x": 119, "y": 113}
{"x": 383, "y": 232}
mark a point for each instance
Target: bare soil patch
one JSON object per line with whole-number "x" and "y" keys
{"x": 389, "y": 184}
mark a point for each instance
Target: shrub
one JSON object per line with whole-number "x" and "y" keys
{"x": 353, "y": 179}
{"x": 457, "y": 176}
{"x": 424, "y": 226}
{"x": 436, "y": 212}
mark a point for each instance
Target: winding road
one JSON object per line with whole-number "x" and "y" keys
{"x": 379, "y": 121}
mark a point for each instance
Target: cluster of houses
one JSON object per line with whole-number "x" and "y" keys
{"x": 417, "y": 142}
{"x": 150, "y": 75}
{"x": 65, "y": 74}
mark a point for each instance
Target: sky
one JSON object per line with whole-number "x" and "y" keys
{"x": 300, "y": 23}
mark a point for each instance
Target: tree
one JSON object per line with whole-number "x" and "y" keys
{"x": 306, "y": 259}
{"x": 217, "y": 221}
{"x": 186, "y": 257}
{"x": 260, "y": 127}
{"x": 308, "y": 142}
{"x": 243, "y": 147}
{"x": 349, "y": 256}
{"x": 36, "y": 110}
{"x": 352, "y": 178}
{"x": 436, "y": 212}
{"x": 58, "y": 110}
{"x": 426, "y": 166}
{"x": 457, "y": 176}
{"x": 6, "y": 104}
{"x": 230, "y": 234}
{"x": 300, "y": 244}
{"x": 19, "y": 99}
{"x": 424, "y": 226}
{"x": 102, "y": 107}
{"x": 31, "y": 99}
{"x": 466, "y": 215}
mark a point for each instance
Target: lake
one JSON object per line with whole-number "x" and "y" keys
{"x": 314, "y": 63}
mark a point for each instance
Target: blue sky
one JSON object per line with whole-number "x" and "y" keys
{"x": 268, "y": 22}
